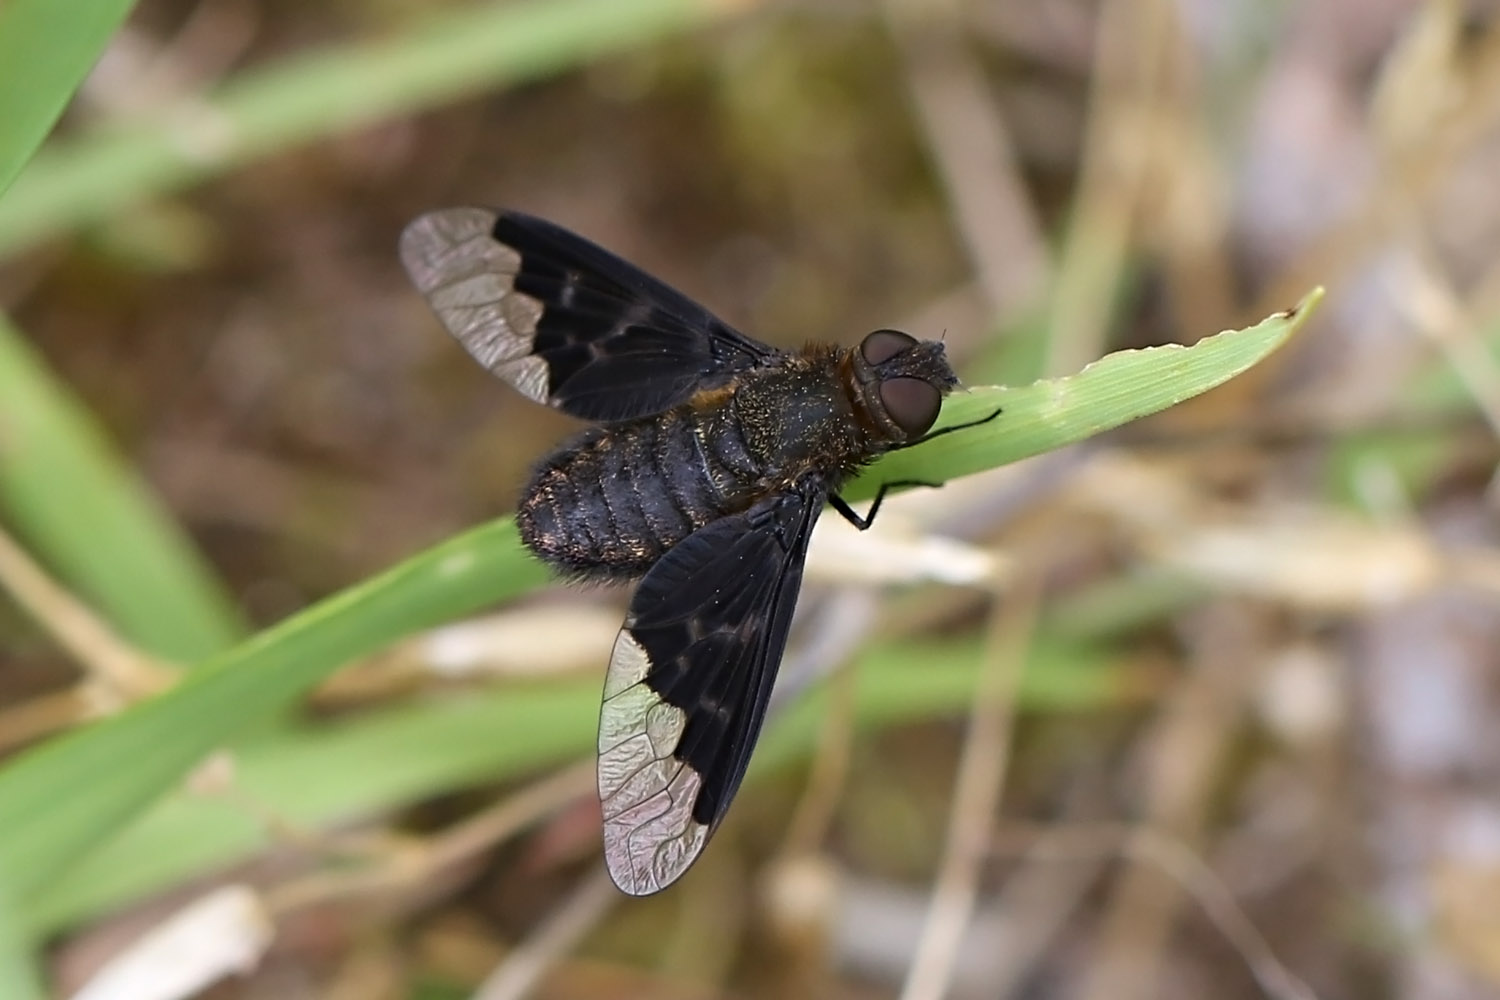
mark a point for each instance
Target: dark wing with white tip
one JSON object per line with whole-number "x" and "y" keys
{"x": 565, "y": 321}
{"x": 689, "y": 681}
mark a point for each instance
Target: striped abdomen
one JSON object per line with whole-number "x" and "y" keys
{"x": 609, "y": 503}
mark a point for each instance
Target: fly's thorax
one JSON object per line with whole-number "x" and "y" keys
{"x": 796, "y": 418}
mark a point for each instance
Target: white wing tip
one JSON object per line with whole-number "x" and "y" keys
{"x": 650, "y": 845}
{"x": 432, "y": 236}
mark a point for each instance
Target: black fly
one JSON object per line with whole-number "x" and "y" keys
{"x": 712, "y": 458}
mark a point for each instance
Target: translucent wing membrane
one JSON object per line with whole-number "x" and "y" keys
{"x": 689, "y": 681}
{"x": 565, "y": 321}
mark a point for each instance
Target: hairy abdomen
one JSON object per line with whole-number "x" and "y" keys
{"x": 609, "y": 503}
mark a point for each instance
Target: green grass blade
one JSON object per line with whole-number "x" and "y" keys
{"x": 18, "y": 973}
{"x": 63, "y": 798}
{"x": 345, "y": 771}
{"x": 92, "y": 522}
{"x": 114, "y": 770}
{"x": 455, "y": 53}
{"x": 320, "y": 778}
{"x": 47, "y": 47}
{"x": 1051, "y": 413}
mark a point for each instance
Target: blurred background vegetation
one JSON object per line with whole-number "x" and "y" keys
{"x": 1256, "y": 750}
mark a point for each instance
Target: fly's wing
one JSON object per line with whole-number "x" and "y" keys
{"x": 689, "y": 681}
{"x": 565, "y": 321}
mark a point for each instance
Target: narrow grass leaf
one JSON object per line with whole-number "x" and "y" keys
{"x": 90, "y": 519}
{"x": 18, "y": 972}
{"x": 63, "y": 798}
{"x": 331, "y": 91}
{"x": 47, "y": 47}
{"x": 337, "y": 773}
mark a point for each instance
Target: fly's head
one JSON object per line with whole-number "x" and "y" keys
{"x": 899, "y": 382}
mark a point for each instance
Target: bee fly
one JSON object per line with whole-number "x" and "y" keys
{"x": 712, "y": 456}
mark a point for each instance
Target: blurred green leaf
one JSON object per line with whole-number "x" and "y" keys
{"x": 334, "y": 90}
{"x": 344, "y": 771}
{"x": 112, "y": 770}
{"x": 1117, "y": 605}
{"x": 18, "y": 974}
{"x": 322, "y": 776}
{"x": 1439, "y": 388}
{"x": 1421, "y": 438}
{"x": 92, "y": 522}
{"x": 47, "y": 47}
{"x": 1412, "y": 461}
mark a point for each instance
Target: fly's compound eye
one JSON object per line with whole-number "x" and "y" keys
{"x": 912, "y": 403}
{"x": 882, "y": 345}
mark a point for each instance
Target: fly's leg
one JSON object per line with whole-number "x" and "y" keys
{"x": 863, "y": 523}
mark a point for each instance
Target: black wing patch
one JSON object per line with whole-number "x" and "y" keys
{"x": 565, "y": 321}
{"x": 689, "y": 681}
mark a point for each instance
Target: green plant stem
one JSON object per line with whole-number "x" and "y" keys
{"x": 265, "y": 110}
